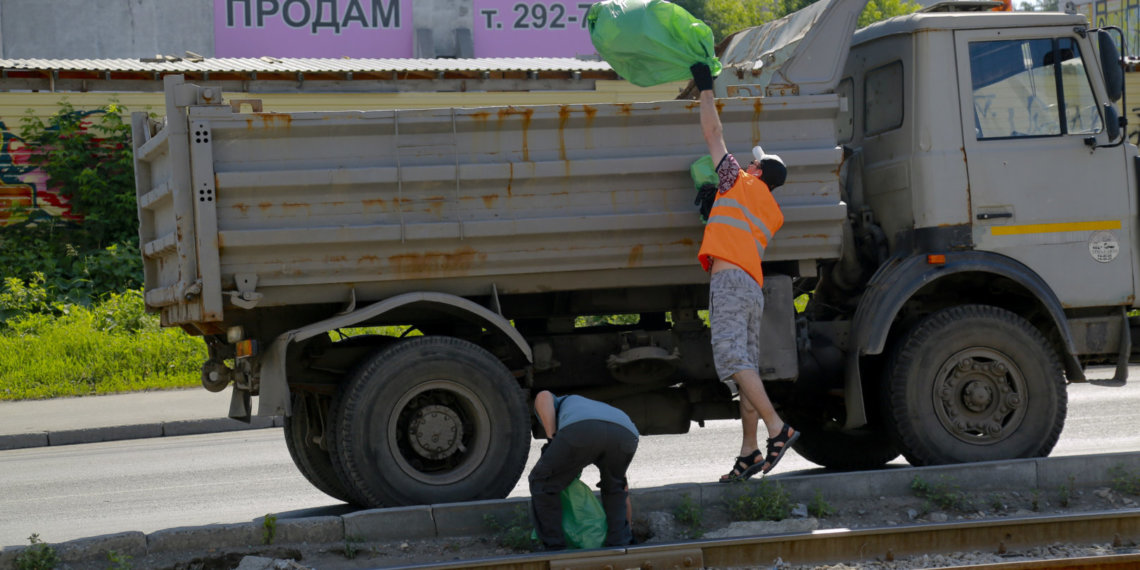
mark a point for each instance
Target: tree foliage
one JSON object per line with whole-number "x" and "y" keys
{"x": 726, "y": 17}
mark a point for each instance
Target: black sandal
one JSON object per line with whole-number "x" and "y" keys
{"x": 787, "y": 437}
{"x": 745, "y": 467}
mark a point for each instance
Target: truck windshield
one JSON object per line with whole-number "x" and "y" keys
{"x": 1031, "y": 88}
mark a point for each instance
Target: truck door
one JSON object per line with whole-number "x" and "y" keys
{"x": 1038, "y": 192}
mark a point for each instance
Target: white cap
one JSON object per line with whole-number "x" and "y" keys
{"x": 760, "y": 155}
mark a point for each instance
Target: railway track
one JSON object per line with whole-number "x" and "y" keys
{"x": 830, "y": 546}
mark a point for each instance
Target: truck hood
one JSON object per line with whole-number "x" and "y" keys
{"x": 802, "y": 53}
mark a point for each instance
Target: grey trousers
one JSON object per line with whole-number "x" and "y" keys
{"x": 606, "y": 445}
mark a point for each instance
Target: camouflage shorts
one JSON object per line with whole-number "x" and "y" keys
{"x": 736, "y": 305}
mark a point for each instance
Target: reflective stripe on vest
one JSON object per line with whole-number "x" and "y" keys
{"x": 743, "y": 226}
{"x": 727, "y": 202}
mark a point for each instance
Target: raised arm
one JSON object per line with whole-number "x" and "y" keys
{"x": 711, "y": 126}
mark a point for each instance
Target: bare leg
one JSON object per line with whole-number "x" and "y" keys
{"x": 749, "y": 422}
{"x": 752, "y": 388}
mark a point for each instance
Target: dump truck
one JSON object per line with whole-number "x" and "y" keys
{"x": 958, "y": 246}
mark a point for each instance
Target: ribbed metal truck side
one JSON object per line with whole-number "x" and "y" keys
{"x": 489, "y": 231}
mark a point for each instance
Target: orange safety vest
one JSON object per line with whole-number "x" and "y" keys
{"x": 741, "y": 224}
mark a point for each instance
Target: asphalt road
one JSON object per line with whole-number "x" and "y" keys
{"x": 75, "y": 491}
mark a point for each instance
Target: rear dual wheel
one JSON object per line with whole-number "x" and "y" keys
{"x": 303, "y": 436}
{"x": 430, "y": 420}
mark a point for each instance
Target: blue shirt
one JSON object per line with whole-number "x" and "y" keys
{"x": 572, "y": 409}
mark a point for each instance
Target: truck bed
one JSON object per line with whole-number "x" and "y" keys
{"x": 244, "y": 210}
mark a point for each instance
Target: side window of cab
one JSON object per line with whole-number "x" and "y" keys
{"x": 1031, "y": 88}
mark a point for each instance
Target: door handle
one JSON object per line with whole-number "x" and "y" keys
{"x": 992, "y": 215}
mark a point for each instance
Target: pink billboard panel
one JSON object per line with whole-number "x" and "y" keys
{"x": 313, "y": 28}
{"x": 530, "y": 28}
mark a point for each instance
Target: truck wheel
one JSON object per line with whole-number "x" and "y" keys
{"x": 974, "y": 383}
{"x": 313, "y": 462}
{"x": 845, "y": 450}
{"x": 431, "y": 420}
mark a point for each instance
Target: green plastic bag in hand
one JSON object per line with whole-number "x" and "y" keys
{"x": 650, "y": 42}
{"x": 583, "y": 518}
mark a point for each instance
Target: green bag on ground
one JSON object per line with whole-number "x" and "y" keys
{"x": 650, "y": 42}
{"x": 583, "y": 518}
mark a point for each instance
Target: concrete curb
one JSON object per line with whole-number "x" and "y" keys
{"x": 138, "y": 431}
{"x": 454, "y": 520}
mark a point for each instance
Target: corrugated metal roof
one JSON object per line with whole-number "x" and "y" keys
{"x": 306, "y": 65}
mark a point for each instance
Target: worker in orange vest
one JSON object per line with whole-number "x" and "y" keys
{"x": 741, "y": 222}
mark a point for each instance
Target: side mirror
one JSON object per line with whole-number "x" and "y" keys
{"x": 1112, "y": 125}
{"x": 1111, "y": 122}
{"x": 1110, "y": 65}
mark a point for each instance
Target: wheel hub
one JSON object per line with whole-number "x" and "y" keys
{"x": 978, "y": 396}
{"x": 435, "y": 432}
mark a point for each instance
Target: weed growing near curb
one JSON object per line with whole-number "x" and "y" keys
{"x": 268, "y": 528}
{"x": 996, "y": 503}
{"x": 38, "y": 556}
{"x": 1124, "y": 481}
{"x": 1035, "y": 500}
{"x": 517, "y": 533}
{"x": 351, "y": 548}
{"x": 1065, "y": 493}
{"x": 118, "y": 561}
{"x": 767, "y": 501}
{"x": 818, "y": 507}
{"x": 688, "y": 513}
{"x": 944, "y": 493}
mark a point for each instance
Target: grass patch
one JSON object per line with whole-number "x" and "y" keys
{"x": 515, "y": 533}
{"x": 688, "y": 513}
{"x": 944, "y": 493}
{"x": 767, "y": 501}
{"x": 111, "y": 347}
{"x": 1124, "y": 481}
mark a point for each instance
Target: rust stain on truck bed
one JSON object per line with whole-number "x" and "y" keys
{"x": 456, "y": 262}
{"x": 526, "y": 116}
{"x": 635, "y": 255}
{"x": 269, "y": 120}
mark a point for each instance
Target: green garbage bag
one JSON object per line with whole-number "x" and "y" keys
{"x": 583, "y": 518}
{"x": 703, "y": 172}
{"x": 650, "y": 42}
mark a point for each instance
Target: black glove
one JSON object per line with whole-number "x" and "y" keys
{"x": 702, "y": 76}
{"x": 705, "y": 198}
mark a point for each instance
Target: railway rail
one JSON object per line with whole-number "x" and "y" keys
{"x": 830, "y": 546}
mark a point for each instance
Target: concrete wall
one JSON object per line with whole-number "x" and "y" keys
{"x": 74, "y": 29}
{"x": 94, "y": 29}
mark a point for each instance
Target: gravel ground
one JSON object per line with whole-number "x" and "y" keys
{"x": 941, "y": 503}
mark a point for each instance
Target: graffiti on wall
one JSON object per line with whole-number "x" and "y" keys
{"x": 1124, "y": 14}
{"x": 24, "y": 186}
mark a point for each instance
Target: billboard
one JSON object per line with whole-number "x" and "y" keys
{"x": 386, "y": 28}
{"x": 530, "y": 28}
{"x": 313, "y": 28}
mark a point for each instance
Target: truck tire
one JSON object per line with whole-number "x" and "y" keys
{"x": 974, "y": 383}
{"x": 313, "y": 462}
{"x": 430, "y": 420}
{"x": 845, "y": 450}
